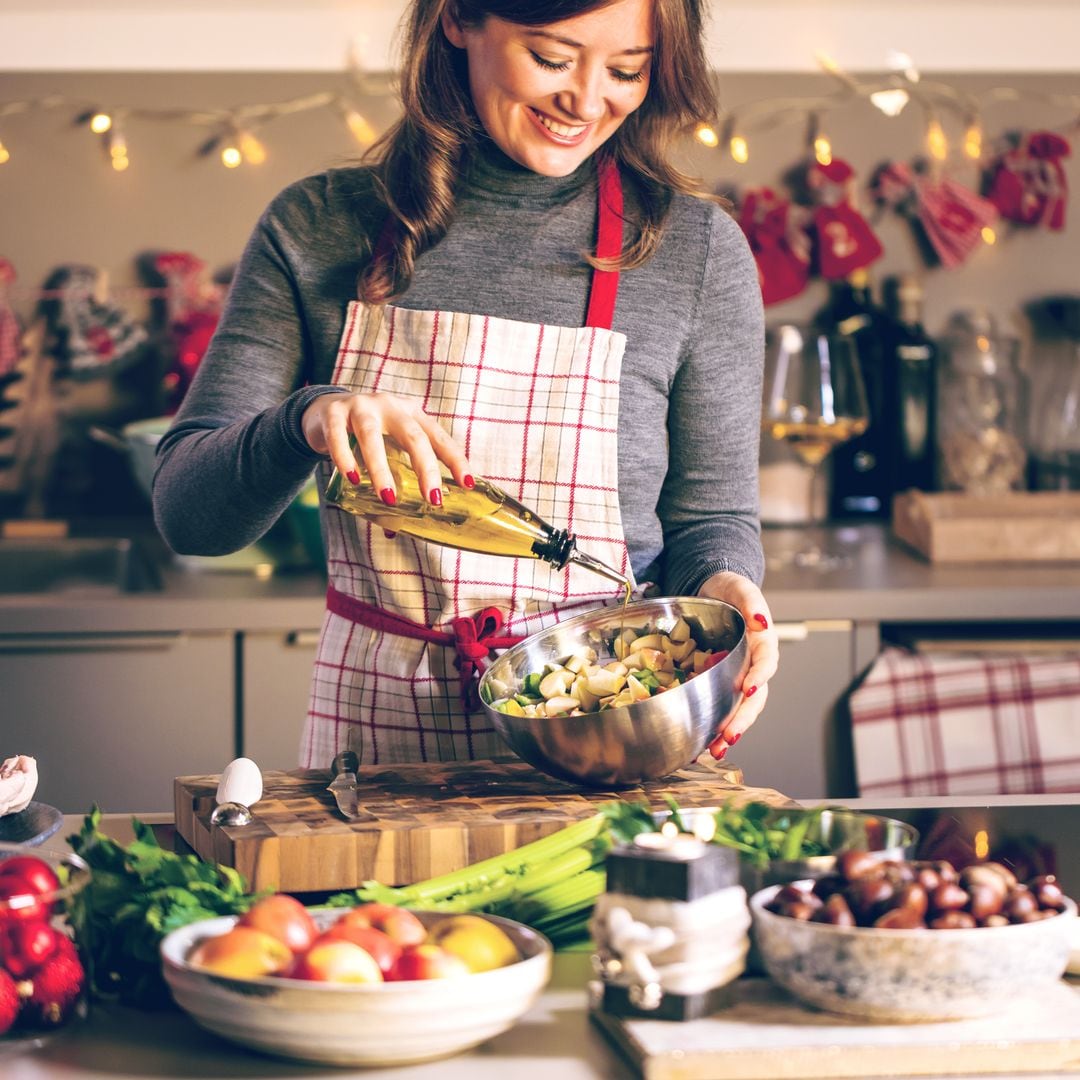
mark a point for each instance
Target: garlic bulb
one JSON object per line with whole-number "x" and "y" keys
{"x": 18, "y": 782}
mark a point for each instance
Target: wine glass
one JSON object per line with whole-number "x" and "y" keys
{"x": 814, "y": 399}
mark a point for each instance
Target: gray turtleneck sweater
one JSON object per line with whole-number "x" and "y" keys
{"x": 690, "y": 390}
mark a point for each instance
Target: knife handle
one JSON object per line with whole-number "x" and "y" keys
{"x": 346, "y": 761}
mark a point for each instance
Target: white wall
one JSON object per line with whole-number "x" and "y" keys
{"x": 315, "y": 35}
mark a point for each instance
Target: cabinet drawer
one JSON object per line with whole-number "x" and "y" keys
{"x": 112, "y": 718}
{"x": 275, "y": 681}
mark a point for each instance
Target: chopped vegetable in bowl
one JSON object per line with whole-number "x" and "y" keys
{"x": 637, "y": 665}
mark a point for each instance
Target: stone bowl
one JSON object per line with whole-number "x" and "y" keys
{"x": 910, "y": 976}
{"x": 379, "y": 1024}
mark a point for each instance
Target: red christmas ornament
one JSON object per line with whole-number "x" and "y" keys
{"x": 950, "y": 216}
{"x": 775, "y": 229}
{"x": 10, "y": 1002}
{"x": 1028, "y": 185}
{"x": 844, "y": 241}
{"x": 58, "y": 986}
{"x": 26, "y": 946}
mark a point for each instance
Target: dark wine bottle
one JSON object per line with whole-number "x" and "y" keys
{"x": 911, "y": 361}
{"x": 860, "y": 481}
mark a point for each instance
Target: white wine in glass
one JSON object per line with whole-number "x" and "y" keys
{"x": 814, "y": 399}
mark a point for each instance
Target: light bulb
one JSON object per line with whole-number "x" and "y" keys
{"x": 252, "y": 151}
{"x": 936, "y": 142}
{"x": 900, "y": 61}
{"x": 100, "y": 122}
{"x": 822, "y": 150}
{"x": 740, "y": 150}
{"x": 5, "y": 155}
{"x": 361, "y": 129}
{"x": 973, "y": 141}
{"x": 706, "y": 135}
{"x": 988, "y": 235}
{"x": 117, "y": 144}
{"x": 890, "y": 102}
{"x": 231, "y": 156}
{"x": 120, "y": 162}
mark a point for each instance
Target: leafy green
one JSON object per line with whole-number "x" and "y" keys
{"x": 137, "y": 894}
{"x": 759, "y": 832}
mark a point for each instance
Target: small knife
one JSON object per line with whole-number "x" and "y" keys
{"x": 343, "y": 784}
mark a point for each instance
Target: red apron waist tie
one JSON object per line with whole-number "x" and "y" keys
{"x": 472, "y": 637}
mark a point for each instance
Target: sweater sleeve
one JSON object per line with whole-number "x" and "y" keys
{"x": 709, "y": 504}
{"x": 235, "y": 456}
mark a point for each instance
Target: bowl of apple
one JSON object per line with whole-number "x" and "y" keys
{"x": 371, "y": 985}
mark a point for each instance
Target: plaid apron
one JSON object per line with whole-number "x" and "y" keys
{"x": 536, "y": 409}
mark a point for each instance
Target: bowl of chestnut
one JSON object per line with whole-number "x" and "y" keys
{"x": 913, "y": 941}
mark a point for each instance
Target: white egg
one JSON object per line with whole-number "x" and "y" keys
{"x": 241, "y": 782}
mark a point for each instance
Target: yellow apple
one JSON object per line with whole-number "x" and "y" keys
{"x": 243, "y": 953}
{"x": 480, "y": 943}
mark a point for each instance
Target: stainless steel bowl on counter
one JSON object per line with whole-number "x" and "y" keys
{"x": 837, "y": 829}
{"x": 620, "y": 747}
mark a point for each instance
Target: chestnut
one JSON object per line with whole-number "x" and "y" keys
{"x": 1019, "y": 903}
{"x": 835, "y": 911}
{"x": 953, "y": 920}
{"x": 948, "y": 896}
{"x": 1048, "y": 892}
{"x": 858, "y": 864}
{"x": 900, "y": 918}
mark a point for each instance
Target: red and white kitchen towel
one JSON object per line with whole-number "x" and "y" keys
{"x": 949, "y": 724}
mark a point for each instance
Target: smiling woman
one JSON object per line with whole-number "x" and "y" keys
{"x": 518, "y": 285}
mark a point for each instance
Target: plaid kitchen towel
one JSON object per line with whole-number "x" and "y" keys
{"x": 948, "y": 724}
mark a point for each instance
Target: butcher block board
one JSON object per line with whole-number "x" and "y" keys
{"x": 767, "y": 1035}
{"x": 420, "y": 820}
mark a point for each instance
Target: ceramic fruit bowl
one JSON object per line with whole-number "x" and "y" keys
{"x": 389, "y": 1023}
{"x": 910, "y": 975}
{"x": 642, "y": 740}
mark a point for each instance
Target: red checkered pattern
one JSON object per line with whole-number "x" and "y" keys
{"x": 536, "y": 409}
{"x": 947, "y": 724}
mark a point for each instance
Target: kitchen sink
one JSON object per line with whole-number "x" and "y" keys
{"x": 104, "y": 565}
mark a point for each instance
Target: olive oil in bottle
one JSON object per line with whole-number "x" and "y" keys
{"x": 484, "y": 519}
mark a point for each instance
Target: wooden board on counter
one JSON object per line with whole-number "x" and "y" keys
{"x": 766, "y": 1035}
{"x": 1020, "y": 526}
{"x": 420, "y": 820}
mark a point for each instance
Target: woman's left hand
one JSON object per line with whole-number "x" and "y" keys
{"x": 763, "y": 653}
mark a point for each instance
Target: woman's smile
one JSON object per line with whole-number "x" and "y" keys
{"x": 549, "y": 96}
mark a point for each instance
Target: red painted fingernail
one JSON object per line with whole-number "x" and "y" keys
{"x": 353, "y": 477}
{"x": 723, "y": 751}
{"x": 764, "y": 622}
{"x": 751, "y": 692}
{"x": 468, "y": 481}
{"x": 388, "y": 534}
{"x": 435, "y": 498}
{"x": 734, "y": 738}
{"x": 388, "y": 496}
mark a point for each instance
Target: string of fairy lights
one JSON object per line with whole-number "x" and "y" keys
{"x": 234, "y": 133}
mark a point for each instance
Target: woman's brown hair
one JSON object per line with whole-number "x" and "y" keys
{"x": 416, "y": 162}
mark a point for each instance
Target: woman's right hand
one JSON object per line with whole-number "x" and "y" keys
{"x": 330, "y": 419}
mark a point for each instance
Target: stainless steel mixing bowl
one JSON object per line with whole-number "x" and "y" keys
{"x": 621, "y": 747}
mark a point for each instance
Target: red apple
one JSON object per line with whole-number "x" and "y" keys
{"x": 242, "y": 953}
{"x": 428, "y": 962}
{"x": 10, "y": 1001}
{"x": 401, "y": 926}
{"x": 283, "y": 917}
{"x": 382, "y": 947}
{"x": 337, "y": 961}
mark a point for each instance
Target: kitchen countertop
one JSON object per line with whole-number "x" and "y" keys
{"x": 554, "y": 1038}
{"x": 882, "y": 581}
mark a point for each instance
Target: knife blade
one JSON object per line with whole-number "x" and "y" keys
{"x": 343, "y": 784}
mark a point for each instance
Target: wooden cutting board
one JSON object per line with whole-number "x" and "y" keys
{"x": 766, "y": 1035}
{"x": 421, "y": 820}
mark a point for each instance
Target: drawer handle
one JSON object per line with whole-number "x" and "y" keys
{"x": 302, "y": 639}
{"x": 85, "y": 642}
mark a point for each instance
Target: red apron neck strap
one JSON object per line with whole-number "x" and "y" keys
{"x": 609, "y": 236}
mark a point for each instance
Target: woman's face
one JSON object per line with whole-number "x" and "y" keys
{"x": 549, "y": 96}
